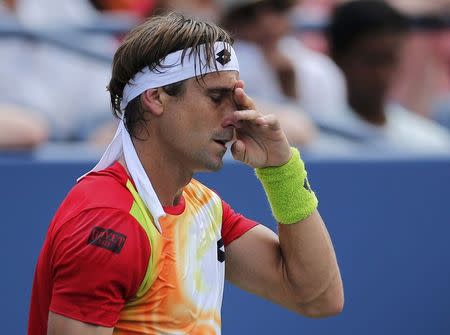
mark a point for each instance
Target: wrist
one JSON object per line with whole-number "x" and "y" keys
{"x": 288, "y": 190}
{"x": 282, "y": 158}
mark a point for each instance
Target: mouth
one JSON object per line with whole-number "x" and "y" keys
{"x": 222, "y": 142}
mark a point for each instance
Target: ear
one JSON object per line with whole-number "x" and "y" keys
{"x": 152, "y": 102}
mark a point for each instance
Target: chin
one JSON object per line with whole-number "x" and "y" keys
{"x": 211, "y": 162}
{"x": 214, "y": 166}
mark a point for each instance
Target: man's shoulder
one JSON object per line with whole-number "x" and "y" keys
{"x": 103, "y": 189}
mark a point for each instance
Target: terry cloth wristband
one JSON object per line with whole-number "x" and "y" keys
{"x": 288, "y": 190}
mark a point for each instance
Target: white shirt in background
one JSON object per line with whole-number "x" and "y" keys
{"x": 404, "y": 131}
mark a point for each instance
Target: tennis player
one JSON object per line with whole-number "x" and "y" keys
{"x": 140, "y": 247}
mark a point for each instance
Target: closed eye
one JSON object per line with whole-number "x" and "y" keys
{"x": 219, "y": 94}
{"x": 217, "y": 99}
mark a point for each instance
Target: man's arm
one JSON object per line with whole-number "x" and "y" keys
{"x": 296, "y": 269}
{"x": 85, "y": 300}
{"x": 60, "y": 325}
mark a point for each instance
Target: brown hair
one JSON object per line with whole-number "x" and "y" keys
{"x": 147, "y": 45}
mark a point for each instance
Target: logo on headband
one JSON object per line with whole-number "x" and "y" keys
{"x": 223, "y": 57}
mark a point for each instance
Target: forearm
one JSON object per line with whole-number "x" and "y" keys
{"x": 308, "y": 261}
{"x": 309, "y": 264}
{"x": 298, "y": 268}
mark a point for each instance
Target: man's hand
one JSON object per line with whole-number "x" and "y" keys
{"x": 260, "y": 141}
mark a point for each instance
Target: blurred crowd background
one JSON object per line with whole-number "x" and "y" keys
{"x": 362, "y": 76}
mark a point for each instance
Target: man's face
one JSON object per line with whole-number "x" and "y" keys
{"x": 191, "y": 125}
{"x": 369, "y": 66}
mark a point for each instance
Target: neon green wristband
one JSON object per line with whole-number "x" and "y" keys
{"x": 288, "y": 190}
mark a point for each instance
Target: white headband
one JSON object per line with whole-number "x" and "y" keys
{"x": 174, "y": 69}
{"x": 122, "y": 146}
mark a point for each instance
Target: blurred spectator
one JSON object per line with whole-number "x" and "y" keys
{"x": 139, "y": 8}
{"x": 366, "y": 39}
{"x": 258, "y": 27}
{"x": 278, "y": 70}
{"x": 206, "y": 9}
{"x": 63, "y": 88}
{"x": 20, "y": 130}
{"x": 45, "y": 13}
{"x": 275, "y": 65}
{"x": 423, "y": 82}
{"x": 269, "y": 75}
{"x": 201, "y": 9}
{"x": 297, "y": 126}
{"x": 314, "y": 14}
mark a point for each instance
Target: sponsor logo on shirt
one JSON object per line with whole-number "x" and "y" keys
{"x": 220, "y": 251}
{"x": 107, "y": 239}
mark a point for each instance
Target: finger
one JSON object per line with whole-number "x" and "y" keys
{"x": 270, "y": 121}
{"x": 238, "y": 150}
{"x": 247, "y": 115}
{"x": 236, "y": 118}
{"x": 239, "y": 84}
{"x": 242, "y": 100}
